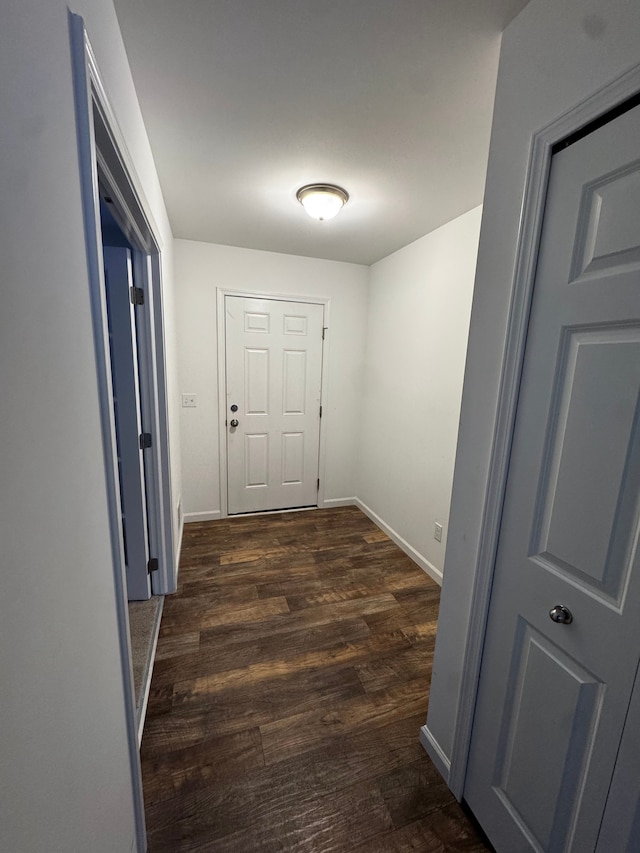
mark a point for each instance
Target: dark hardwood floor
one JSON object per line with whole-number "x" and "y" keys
{"x": 290, "y": 684}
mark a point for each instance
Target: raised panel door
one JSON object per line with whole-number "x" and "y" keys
{"x": 274, "y": 377}
{"x": 553, "y": 696}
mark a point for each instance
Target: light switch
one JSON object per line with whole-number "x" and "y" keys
{"x": 189, "y": 401}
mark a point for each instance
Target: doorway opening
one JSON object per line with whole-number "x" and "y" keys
{"x": 124, "y": 321}
{"x": 132, "y": 394}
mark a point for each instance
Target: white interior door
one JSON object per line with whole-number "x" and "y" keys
{"x": 553, "y": 695}
{"x": 126, "y": 394}
{"x": 273, "y": 379}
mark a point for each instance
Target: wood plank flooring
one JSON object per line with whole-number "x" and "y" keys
{"x": 290, "y": 684}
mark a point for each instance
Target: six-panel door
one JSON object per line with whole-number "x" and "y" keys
{"x": 273, "y": 377}
{"x": 553, "y": 697}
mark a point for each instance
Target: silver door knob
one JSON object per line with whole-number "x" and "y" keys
{"x": 561, "y": 614}
{"x": 234, "y": 422}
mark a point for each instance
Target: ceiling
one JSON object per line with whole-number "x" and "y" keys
{"x": 247, "y": 100}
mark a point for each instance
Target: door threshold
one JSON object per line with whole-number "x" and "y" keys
{"x": 272, "y": 511}
{"x": 144, "y": 628}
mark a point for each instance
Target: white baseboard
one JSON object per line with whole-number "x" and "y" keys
{"x": 409, "y": 550}
{"x": 177, "y": 554}
{"x": 332, "y": 502}
{"x": 435, "y": 752}
{"x": 210, "y": 515}
{"x": 179, "y": 544}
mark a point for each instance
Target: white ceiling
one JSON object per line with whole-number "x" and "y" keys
{"x": 247, "y": 100}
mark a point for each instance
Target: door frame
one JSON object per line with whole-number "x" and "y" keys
{"x": 118, "y": 265}
{"x": 622, "y": 89}
{"x": 106, "y": 168}
{"x": 221, "y": 293}
{"x": 106, "y": 165}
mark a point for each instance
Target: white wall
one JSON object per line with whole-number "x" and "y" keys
{"x": 65, "y": 783}
{"x": 553, "y": 56}
{"x": 396, "y": 350}
{"x": 418, "y": 321}
{"x": 201, "y": 268}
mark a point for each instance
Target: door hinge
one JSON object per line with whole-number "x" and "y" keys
{"x": 318, "y": 484}
{"x": 137, "y": 296}
{"x": 324, "y": 329}
{"x": 152, "y": 565}
{"x": 145, "y": 440}
{"x": 320, "y": 411}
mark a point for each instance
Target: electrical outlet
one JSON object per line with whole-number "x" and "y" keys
{"x": 189, "y": 401}
{"x": 437, "y": 532}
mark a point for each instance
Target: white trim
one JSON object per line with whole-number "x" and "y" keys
{"x": 324, "y": 393}
{"x": 222, "y": 399}
{"x": 144, "y": 228}
{"x": 325, "y": 301}
{"x": 607, "y": 98}
{"x": 435, "y": 752}
{"x": 165, "y": 580}
{"x": 408, "y": 549}
{"x": 278, "y": 297}
{"x": 118, "y": 178}
{"x": 85, "y": 81}
{"x": 178, "y": 550}
{"x": 333, "y": 502}
{"x": 149, "y": 673}
{"x": 207, "y": 515}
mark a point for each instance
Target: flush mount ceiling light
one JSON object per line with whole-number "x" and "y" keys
{"x": 322, "y": 201}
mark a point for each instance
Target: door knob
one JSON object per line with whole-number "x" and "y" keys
{"x": 234, "y": 422}
{"x": 561, "y": 614}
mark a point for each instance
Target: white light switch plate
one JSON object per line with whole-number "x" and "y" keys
{"x": 189, "y": 401}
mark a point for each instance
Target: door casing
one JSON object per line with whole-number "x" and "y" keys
{"x": 105, "y": 166}
{"x": 107, "y": 170}
{"x": 221, "y": 292}
{"x": 602, "y": 102}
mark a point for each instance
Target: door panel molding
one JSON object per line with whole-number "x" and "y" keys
{"x": 293, "y": 328}
{"x": 562, "y": 745}
{"x": 529, "y": 231}
{"x": 601, "y": 558}
{"x": 599, "y": 247}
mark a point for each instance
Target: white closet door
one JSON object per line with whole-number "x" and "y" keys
{"x": 553, "y": 695}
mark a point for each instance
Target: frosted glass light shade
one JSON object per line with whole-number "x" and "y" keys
{"x": 322, "y": 201}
